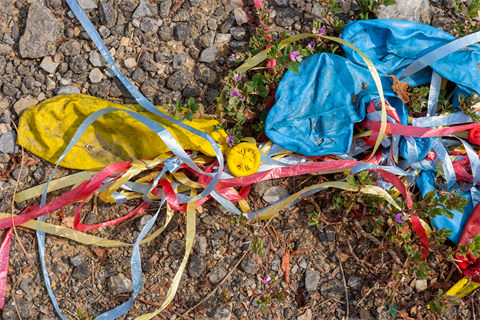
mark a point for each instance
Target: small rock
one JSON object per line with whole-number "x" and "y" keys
{"x": 7, "y": 142}
{"x": 78, "y": 64}
{"x": 312, "y": 278}
{"x": 130, "y": 63}
{"x": 178, "y": 61}
{"x": 60, "y": 268}
{"x": 208, "y": 55}
{"x": 16, "y": 173}
{"x": 232, "y": 5}
{"x": 355, "y": 283}
{"x": 240, "y": 16}
{"x": 287, "y": 17}
{"x": 192, "y": 92}
{"x": 9, "y": 311}
{"x": 165, "y": 33}
{"x": 421, "y": 285}
{"x": 70, "y": 48}
{"x": 206, "y": 40}
{"x": 181, "y": 16}
{"x": 5, "y": 49}
{"x": 120, "y": 284}
{"x": 303, "y": 264}
{"x": 87, "y": 5}
{"x": 165, "y": 7}
{"x": 82, "y": 272}
{"x": 226, "y": 25}
{"x": 108, "y": 14}
{"x": 23, "y": 104}
{"x": 96, "y": 59}
{"x": 103, "y": 31}
{"x": 76, "y": 260}
{"x": 206, "y": 75}
{"x": 24, "y": 285}
{"x": 332, "y": 289}
{"x": 145, "y": 9}
{"x": 282, "y": 3}
{"x": 175, "y": 247}
{"x": 249, "y": 266}
{"x": 148, "y": 24}
{"x": 48, "y": 64}
{"x": 66, "y": 90}
{"x": 221, "y": 39}
{"x": 195, "y": 267}
{"x": 275, "y": 264}
{"x": 95, "y": 75}
{"x": 179, "y": 80}
{"x": 163, "y": 57}
{"x": 142, "y": 221}
{"x": 200, "y": 246}
{"x": 238, "y": 32}
{"x": 222, "y": 313}
{"x": 101, "y": 89}
{"x": 306, "y": 316}
{"x": 195, "y": 3}
{"x": 328, "y": 234}
{"x": 182, "y": 32}
{"x": 211, "y": 23}
{"x": 217, "y": 274}
{"x": 418, "y": 11}
{"x": 275, "y": 194}
{"x": 39, "y": 38}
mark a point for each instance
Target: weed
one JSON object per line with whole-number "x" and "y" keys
{"x": 369, "y": 7}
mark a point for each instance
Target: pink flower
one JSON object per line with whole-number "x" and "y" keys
{"x": 267, "y": 280}
{"x": 234, "y": 57}
{"x": 236, "y": 77}
{"x": 311, "y": 45}
{"x": 235, "y": 93}
{"x": 230, "y": 141}
{"x": 321, "y": 31}
{"x": 294, "y": 55}
{"x": 398, "y": 218}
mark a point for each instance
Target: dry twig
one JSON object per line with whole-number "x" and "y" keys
{"x": 345, "y": 286}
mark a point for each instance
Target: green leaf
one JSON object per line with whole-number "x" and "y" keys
{"x": 448, "y": 214}
{"x": 191, "y": 101}
{"x": 393, "y": 309}
{"x": 189, "y": 116}
{"x": 178, "y": 105}
{"x": 194, "y": 107}
{"x": 258, "y": 79}
{"x": 389, "y": 2}
{"x": 436, "y": 212}
{"x": 336, "y": 10}
{"x": 251, "y": 86}
{"x": 351, "y": 180}
{"x": 262, "y": 91}
{"x": 181, "y": 118}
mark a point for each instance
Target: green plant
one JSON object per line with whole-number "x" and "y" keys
{"x": 176, "y": 110}
{"x": 369, "y": 7}
{"x": 85, "y": 315}
{"x": 258, "y": 245}
{"x": 440, "y": 304}
{"x": 316, "y": 219}
{"x": 226, "y": 296}
{"x": 471, "y": 11}
{"x": 418, "y": 268}
{"x": 331, "y": 6}
{"x": 472, "y": 247}
{"x": 240, "y": 220}
{"x": 469, "y": 106}
{"x": 419, "y": 99}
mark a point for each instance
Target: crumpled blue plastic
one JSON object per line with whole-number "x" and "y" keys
{"x": 314, "y": 112}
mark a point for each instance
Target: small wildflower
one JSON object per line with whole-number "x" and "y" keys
{"x": 230, "y": 141}
{"x": 234, "y": 57}
{"x": 399, "y": 218}
{"x": 320, "y": 32}
{"x": 236, "y": 77}
{"x": 267, "y": 280}
{"x": 311, "y": 45}
{"x": 295, "y": 56}
{"x": 235, "y": 93}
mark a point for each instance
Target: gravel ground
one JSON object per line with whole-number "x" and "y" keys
{"x": 171, "y": 51}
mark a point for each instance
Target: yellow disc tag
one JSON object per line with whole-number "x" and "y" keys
{"x": 243, "y": 159}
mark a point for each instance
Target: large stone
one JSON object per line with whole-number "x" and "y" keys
{"x": 23, "y": 104}
{"x": 195, "y": 267}
{"x": 108, "y": 14}
{"x": 120, "y": 284}
{"x": 95, "y": 75}
{"x": 10, "y": 309}
{"x": 418, "y": 11}
{"x": 275, "y": 194}
{"x": 39, "y": 38}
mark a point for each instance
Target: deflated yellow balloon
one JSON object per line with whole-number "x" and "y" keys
{"x": 47, "y": 128}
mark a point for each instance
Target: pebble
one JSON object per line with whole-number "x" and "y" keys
{"x": 179, "y": 80}
{"x": 165, "y": 6}
{"x": 312, "y": 279}
{"x": 67, "y": 90}
{"x": 59, "y": 268}
{"x": 306, "y": 316}
{"x": 7, "y": 142}
{"x": 208, "y": 55}
{"x": 249, "y": 266}
{"x": 206, "y": 75}
{"x": 120, "y": 284}
{"x": 78, "y": 64}
{"x": 76, "y": 260}
{"x": 142, "y": 221}
{"x": 9, "y": 311}
{"x": 200, "y": 246}
{"x": 87, "y": 5}
{"x": 222, "y": 39}
{"x": 95, "y": 75}
{"x": 207, "y": 39}
{"x": 148, "y": 24}
{"x": 303, "y": 264}
{"x": 238, "y": 33}
{"x": 181, "y": 16}
{"x": 240, "y": 16}
{"x": 178, "y": 61}
{"x": 282, "y": 3}
{"x": 232, "y": 5}
{"x": 5, "y": 49}
{"x": 217, "y": 274}
{"x": 222, "y": 313}
{"x": 108, "y": 14}
{"x": 286, "y": 17}
{"x": 418, "y": 11}
{"x": 195, "y": 267}
{"x": 421, "y": 285}
{"x": 24, "y": 285}
{"x": 175, "y": 247}
{"x": 130, "y": 63}
{"x": 332, "y": 289}
{"x": 275, "y": 194}
{"x": 49, "y": 65}
{"x": 23, "y": 104}
{"x": 81, "y": 272}
{"x": 38, "y": 39}
{"x": 276, "y": 265}
{"x": 355, "y": 283}
{"x": 328, "y": 234}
